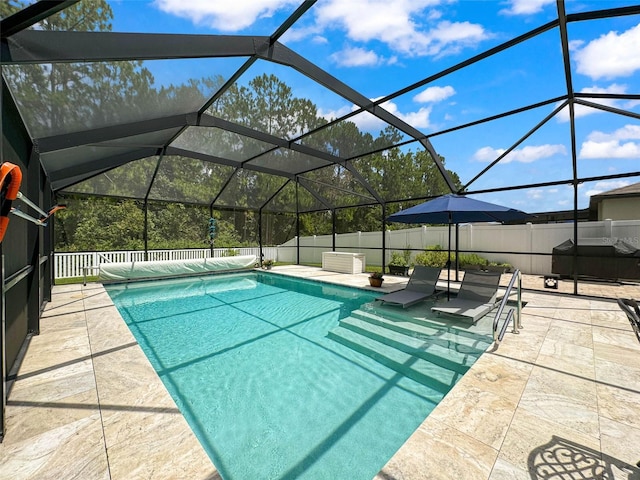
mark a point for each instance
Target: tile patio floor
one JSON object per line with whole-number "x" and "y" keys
{"x": 559, "y": 400}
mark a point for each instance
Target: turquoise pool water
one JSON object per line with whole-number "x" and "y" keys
{"x": 248, "y": 360}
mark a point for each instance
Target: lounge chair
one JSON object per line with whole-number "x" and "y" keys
{"x": 630, "y": 307}
{"x": 421, "y": 285}
{"x": 476, "y": 297}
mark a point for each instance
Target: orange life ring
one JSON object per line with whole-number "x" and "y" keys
{"x": 10, "y": 180}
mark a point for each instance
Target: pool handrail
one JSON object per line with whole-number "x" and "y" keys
{"x": 85, "y": 270}
{"x": 517, "y": 322}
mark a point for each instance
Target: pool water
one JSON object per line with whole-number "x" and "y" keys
{"x": 249, "y": 361}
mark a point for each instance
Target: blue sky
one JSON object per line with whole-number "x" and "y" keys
{"x": 381, "y": 46}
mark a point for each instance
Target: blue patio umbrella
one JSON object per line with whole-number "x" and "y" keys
{"x": 453, "y": 209}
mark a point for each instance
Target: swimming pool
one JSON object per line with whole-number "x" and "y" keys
{"x": 253, "y": 362}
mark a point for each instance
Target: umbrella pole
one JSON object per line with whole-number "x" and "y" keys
{"x": 457, "y": 251}
{"x": 449, "y": 262}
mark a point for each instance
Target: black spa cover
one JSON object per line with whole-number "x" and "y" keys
{"x": 612, "y": 261}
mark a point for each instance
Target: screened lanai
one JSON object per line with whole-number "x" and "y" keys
{"x": 308, "y": 118}
{"x": 313, "y": 118}
{"x": 133, "y": 113}
{"x": 268, "y": 122}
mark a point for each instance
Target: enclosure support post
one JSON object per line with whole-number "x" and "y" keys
{"x": 3, "y": 368}
{"x": 449, "y": 261}
{"x": 260, "y": 235}
{"x": 34, "y": 237}
{"x": 297, "y": 225}
{"x": 574, "y": 267}
{"x": 47, "y": 273}
{"x": 384, "y": 235}
{"x": 146, "y": 231}
{"x": 210, "y": 242}
{"x": 333, "y": 230}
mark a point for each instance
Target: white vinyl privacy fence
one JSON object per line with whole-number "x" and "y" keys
{"x": 527, "y": 247}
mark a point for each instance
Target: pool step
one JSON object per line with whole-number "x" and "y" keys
{"x": 431, "y": 350}
{"x": 452, "y": 339}
{"x": 414, "y": 316}
{"x": 422, "y": 371}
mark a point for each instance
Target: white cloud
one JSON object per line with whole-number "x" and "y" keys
{"x": 611, "y": 55}
{"x": 419, "y": 119}
{"x": 611, "y": 149}
{"x": 367, "y": 122}
{"x": 544, "y": 199}
{"x": 628, "y": 132}
{"x": 526, "y": 7}
{"x": 536, "y": 194}
{"x": 388, "y": 19}
{"x": 399, "y": 24}
{"x": 605, "y": 186}
{"x": 434, "y": 14}
{"x": 333, "y": 114}
{"x": 220, "y": 15}
{"x": 622, "y": 143}
{"x": 575, "y": 45}
{"x": 613, "y": 88}
{"x": 413, "y": 28}
{"x": 449, "y": 38}
{"x": 434, "y": 94}
{"x": 488, "y": 154}
{"x": 356, "y": 57}
{"x": 582, "y": 111}
{"x": 449, "y": 32}
{"x": 296, "y": 33}
{"x": 527, "y": 154}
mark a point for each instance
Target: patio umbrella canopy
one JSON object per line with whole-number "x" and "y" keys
{"x": 454, "y": 209}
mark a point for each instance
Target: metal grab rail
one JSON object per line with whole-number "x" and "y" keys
{"x": 517, "y": 322}
{"x": 85, "y": 270}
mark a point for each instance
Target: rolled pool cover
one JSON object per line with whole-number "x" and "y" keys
{"x": 122, "y": 271}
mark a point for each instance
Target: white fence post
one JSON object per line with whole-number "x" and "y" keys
{"x": 530, "y": 245}
{"x": 608, "y": 229}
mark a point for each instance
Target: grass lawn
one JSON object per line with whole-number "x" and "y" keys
{"x": 70, "y": 281}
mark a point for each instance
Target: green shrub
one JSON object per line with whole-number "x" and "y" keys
{"x": 433, "y": 256}
{"x": 507, "y": 267}
{"x": 398, "y": 260}
{"x": 467, "y": 259}
{"x": 406, "y": 255}
{"x": 401, "y": 259}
